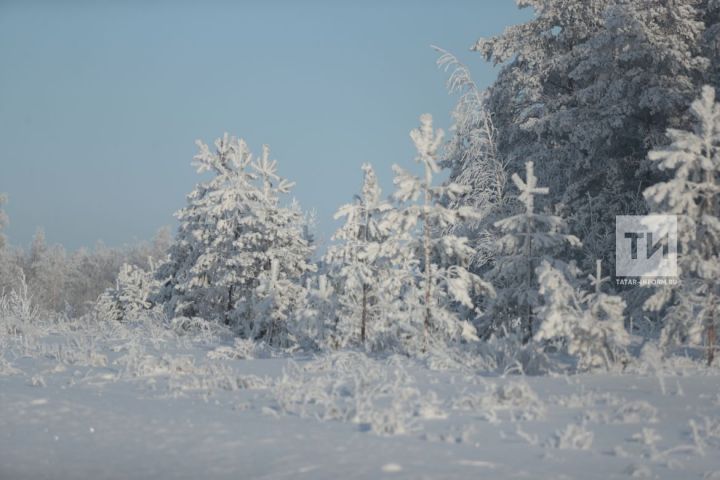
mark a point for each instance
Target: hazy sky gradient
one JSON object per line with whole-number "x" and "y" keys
{"x": 100, "y": 102}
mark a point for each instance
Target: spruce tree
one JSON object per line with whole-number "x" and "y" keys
{"x": 693, "y": 194}
{"x": 526, "y": 239}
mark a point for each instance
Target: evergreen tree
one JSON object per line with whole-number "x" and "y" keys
{"x": 130, "y": 297}
{"x": 591, "y": 324}
{"x": 711, "y": 41}
{"x": 587, "y": 88}
{"x": 527, "y": 238}
{"x": 429, "y": 259}
{"x": 232, "y": 229}
{"x": 358, "y": 259}
{"x": 693, "y": 194}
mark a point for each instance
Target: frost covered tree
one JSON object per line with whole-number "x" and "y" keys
{"x": 433, "y": 259}
{"x": 526, "y": 239}
{"x": 587, "y": 88}
{"x": 693, "y": 194}
{"x": 590, "y": 323}
{"x": 358, "y": 260}
{"x": 472, "y": 158}
{"x": 231, "y": 231}
{"x": 10, "y": 264}
{"x": 316, "y": 320}
{"x": 274, "y": 304}
{"x": 46, "y": 271}
{"x": 130, "y": 297}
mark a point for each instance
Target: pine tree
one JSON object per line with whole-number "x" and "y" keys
{"x": 586, "y": 89}
{"x": 231, "y": 231}
{"x": 527, "y": 238}
{"x": 430, "y": 259}
{"x": 693, "y": 195}
{"x": 130, "y": 297}
{"x": 316, "y": 319}
{"x": 358, "y": 259}
{"x": 711, "y": 41}
{"x": 591, "y": 324}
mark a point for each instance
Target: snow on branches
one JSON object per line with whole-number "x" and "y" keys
{"x": 232, "y": 233}
{"x": 527, "y": 238}
{"x": 590, "y": 323}
{"x": 434, "y": 258}
{"x": 693, "y": 194}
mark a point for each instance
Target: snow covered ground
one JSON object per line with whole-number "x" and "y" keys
{"x": 81, "y": 400}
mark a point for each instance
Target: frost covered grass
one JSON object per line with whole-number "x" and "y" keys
{"x": 151, "y": 387}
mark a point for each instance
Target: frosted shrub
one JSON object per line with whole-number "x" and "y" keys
{"x": 507, "y": 354}
{"x": 242, "y": 349}
{"x": 17, "y": 310}
{"x": 515, "y": 398}
{"x": 198, "y": 329}
{"x": 573, "y": 437}
{"x": 638, "y": 411}
{"x": 381, "y": 398}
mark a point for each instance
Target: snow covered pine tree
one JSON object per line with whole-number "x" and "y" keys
{"x": 358, "y": 260}
{"x": 439, "y": 279}
{"x": 586, "y": 89}
{"x": 526, "y": 237}
{"x": 233, "y": 228}
{"x": 131, "y": 295}
{"x": 693, "y": 194}
{"x": 591, "y": 324}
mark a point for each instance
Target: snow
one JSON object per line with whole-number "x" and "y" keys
{"x": 140, "y": 400}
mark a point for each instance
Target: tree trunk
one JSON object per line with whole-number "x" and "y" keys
{"x": 711, "y": 330}
{"x": 428, "y": 273}
{"x": 527, "y": 324}
{"x": 709, "y": 249}
{"x": 363, "y": 320}
{"x": 229, "y": 306}
{"x": 711, "y": 339}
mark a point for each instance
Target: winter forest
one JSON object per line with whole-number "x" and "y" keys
{"x": 471, "y": 322}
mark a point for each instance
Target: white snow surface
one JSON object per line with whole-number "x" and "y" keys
{"x": 110, "y": 401}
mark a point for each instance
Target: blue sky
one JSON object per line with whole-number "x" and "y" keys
{"x": 100, "y": 102}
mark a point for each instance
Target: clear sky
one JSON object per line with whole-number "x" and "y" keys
{"x": 100, "y": 102}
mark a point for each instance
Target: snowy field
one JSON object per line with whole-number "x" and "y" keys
{"x": 146, "y": 400}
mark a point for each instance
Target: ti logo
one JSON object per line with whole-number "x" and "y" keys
{"x": 646, "y": 246}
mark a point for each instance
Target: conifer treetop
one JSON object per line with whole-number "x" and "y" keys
{"x": 528, "y": 188}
